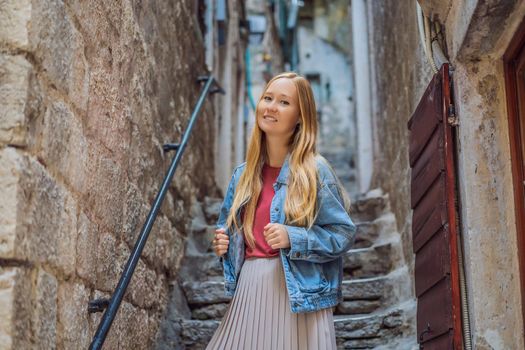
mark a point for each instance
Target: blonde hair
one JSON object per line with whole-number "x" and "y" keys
{"x": 301, "y": 198}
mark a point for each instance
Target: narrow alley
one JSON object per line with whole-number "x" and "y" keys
{"x": 121, "y": 125}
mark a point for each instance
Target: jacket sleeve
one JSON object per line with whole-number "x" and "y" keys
{"x": 225, "y": 208}
{"x": 332, "y": 234}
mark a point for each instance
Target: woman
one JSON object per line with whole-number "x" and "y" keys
{"x": 287, "y": 204}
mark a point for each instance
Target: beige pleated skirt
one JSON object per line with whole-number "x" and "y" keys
{"x": 259, "y": 316}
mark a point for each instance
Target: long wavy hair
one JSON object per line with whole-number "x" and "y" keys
{"x": 301, "y": 198}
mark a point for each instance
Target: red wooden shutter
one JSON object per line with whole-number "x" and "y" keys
{"x": 434, "y": 228}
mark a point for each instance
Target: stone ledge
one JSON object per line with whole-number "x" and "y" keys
{"x": 207, "y": 292}
{"x": 369, "y": 262}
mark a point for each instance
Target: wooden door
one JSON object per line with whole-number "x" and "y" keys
{"x": 434, "y": 220}
{"x": 514, "y": 62}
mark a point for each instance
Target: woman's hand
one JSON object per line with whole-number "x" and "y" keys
{"x": 220, "y": 242}
{"x": 276, "y": 236}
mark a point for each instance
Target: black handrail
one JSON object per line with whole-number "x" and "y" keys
{"x": 113, "y": 304}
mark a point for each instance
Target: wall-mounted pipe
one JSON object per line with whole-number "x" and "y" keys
{"x": 424, "y": 35}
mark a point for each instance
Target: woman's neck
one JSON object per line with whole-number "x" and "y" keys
{"x": 277, "y": 152}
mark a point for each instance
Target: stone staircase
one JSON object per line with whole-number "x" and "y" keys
{"x": 378, "y": 311}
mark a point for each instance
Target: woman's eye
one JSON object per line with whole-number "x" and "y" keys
{"x": 267, "y": 98}
{"x": 285, "y": 102}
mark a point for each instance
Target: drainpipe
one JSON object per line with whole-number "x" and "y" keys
{"x": 362, "y": 94}
{"x": 247, "y": 58}
{"x": 432, "y": 48}
{"x": 292, "y": 26}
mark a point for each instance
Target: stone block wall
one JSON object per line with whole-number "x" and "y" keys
{"x": 89, "y": 93}
{"x": 400, "y": 77}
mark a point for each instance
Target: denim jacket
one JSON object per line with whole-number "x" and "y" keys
{"x": 313, "y": 264}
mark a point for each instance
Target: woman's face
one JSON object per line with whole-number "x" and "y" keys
{"x": 278, "y": 110}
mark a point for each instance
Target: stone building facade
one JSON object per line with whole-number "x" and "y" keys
{"x": 474, "y": 36}
{"x": 324, "y": 58}
{"x": 89, "y": 93}
{"x": 228, "y": 35}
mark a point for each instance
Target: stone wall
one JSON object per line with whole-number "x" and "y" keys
{"x": 399, "y": 77}
{"x": 90, "y": 90}
{"x": 476, "y": 34}
{"x": 230, "y": 67}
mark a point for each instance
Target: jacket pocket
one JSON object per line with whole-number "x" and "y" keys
{"x": 309, "y": 275}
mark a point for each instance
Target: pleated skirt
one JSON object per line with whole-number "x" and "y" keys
{"x": 259, "y": 316}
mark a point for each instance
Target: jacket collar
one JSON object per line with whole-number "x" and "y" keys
{"x": 283, "y": 174}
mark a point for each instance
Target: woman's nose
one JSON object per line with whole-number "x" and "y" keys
{"x": 271, "y": 107}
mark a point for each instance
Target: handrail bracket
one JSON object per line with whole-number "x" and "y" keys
{"x": 215, "y": 89}
{"x": 98, "y": 305}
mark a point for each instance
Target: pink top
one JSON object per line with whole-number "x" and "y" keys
{"x": 262, "y": 216}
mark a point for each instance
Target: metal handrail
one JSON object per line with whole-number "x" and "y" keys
{"x": 113, "y": 303}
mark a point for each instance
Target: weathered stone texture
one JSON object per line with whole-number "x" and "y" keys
{"x": 57, "y": 48}
{"x": 63, "y": 145}
{"x": 14, "y": 81}
{"x": 90, "y": 91}
{"x": 487, "y": 214}
{"x": 402, "y": 74}
{"x": 14, "y": 18}
{"x": 86, "y": 249}
{"x": 7, "y": 279}
{"x": 17, "y": 308}
{"x": 72, "y": 320}
{"x": 10, "y": 164}
{"x": 46, "y": 220}
{"x": 45, "y": 311}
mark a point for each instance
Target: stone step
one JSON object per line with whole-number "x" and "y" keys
{"x": 366, "y": 235}
{"x": 369, "y": 262}
{"x": 201, "y": 236}
{"x": 367, "y": 295}
{"x": 356, "y": 307}
{"x": 201, "y": 293}
{"x": 212, "y": 292}
{"x": 201, "y": 231}
{"x": 210, "y": 312}
{"x": 376, "y": 231}
{"x": 364, "y": 288}
{"x": 356, "y": 332}
{"x": 370, "y": 206}
{"x": 200, "y": 267}
{"x": 364, "y": 260}
{"x": 196, "y": 334}
{"x": 370, "y": 331}
{"x": 360, "y": 296}
{"x": 200, "y": 258}
{"x": 343, "y": 164}
{"x": 212, "y": 206}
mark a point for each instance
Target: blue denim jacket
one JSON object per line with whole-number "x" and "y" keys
{"x": 313, "y": 264}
